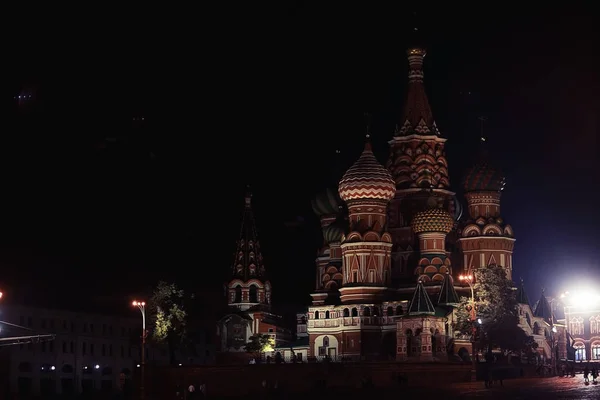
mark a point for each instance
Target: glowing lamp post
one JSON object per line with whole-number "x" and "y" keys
{"x": 471, "y": 308}
{"x": 142, "y": 306}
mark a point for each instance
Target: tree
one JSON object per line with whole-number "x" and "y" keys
{"x": 258, "y": 344}
{"x": 497, "y": 307}
{"x": 169, "y": 318}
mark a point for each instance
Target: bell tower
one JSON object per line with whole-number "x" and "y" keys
{"x": 248, "y": 287}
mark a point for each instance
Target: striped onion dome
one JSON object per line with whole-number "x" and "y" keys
{"x": 367, "y": 179}
{"x": 483, "y": 178}
{"x": 333, "y": 232}
{"x": 327, "y": 202}
{"x": 432, "y": 220}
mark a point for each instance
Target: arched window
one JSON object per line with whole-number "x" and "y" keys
{"x": 579, "y": 351}
{"x": 316, "y": 314}
{"x": 238, "y": 294}
{"x": 253, "y": 294}
{"x": 326, "y": 341}
{"x": 326, "y": 314}
{"x": 346, "y": 312}
{"x": 399, "y": 310}
{"x": 576, "y": 326}
{"x": 375, "y": 311}
{"x": 595, "y": 324}
{"x": 366, "y": 312}
{"x": 536, "y": 329}
{"x": 390, "y": 311}
{"x": 354, "y": 312}
{"x": 596, "y": 351}
{"x": 303, "y": 320}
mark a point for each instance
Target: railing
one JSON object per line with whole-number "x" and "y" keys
{"x": 350, "y": 321}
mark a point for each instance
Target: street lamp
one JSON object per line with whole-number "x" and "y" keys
{"x": 142, "y": 306}
{"x": 469, "y": 280}
{"x": 553, "y": 342}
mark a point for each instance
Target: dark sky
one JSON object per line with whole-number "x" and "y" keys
{"x": 265, "y": 96}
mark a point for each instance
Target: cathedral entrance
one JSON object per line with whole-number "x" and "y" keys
{"x": 332, "y": 353}
{"x": 388, "y": 346}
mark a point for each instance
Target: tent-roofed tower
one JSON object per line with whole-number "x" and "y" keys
{"x": 249, "y": 287}
{"x": 419, "y": 167}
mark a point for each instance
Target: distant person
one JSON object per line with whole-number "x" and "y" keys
{"x": 586, "y": 374}
{"x": 594, "y": 375}
{"x": 191, "y": 392}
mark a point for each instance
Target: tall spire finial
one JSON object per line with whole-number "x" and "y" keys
{"x": 368, "y": 131}
{"x": 248, "y": 197}
{"x": 482, "y": 120}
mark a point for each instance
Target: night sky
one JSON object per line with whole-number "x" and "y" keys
{"x": 95, "y": 210}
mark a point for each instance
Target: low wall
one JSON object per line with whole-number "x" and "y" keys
{"x": 244, "y": 379}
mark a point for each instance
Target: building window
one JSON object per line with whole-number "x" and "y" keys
{"x": 92, "y": 348}
{"x": 579, "y": 351}
{"x": 253, "y": 294}
{"x": 326, "y": 314}
{"x": 238, "y": 294}
{"x": 326, "y": 341}
{"x": 103, "y": 350}
{"x": 110, "y": 350}
{"x": 83, "y": 348}
{"x": 595, "y": 324}
{"x": 576, "y": 326}
{"x": 596, "y": 351}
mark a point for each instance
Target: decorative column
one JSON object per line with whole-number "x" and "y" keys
{"x": 426, "y": 353}
{"x": 401, "y": 342}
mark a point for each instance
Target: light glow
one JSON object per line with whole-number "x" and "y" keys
{"x": 465, "y": 277}
{"x": 136, "y": 303}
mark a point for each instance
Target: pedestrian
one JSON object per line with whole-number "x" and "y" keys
{"x": 594, "y": 375}
{"x": 191, "y": 392}
{"x": 586, "y": 375}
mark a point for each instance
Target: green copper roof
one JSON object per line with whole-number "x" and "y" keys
{"x": 521, "y": 295}
{"x": 420, "y": 303}
{"x": 448, "y": 295}
{"x": 543, "y": 309}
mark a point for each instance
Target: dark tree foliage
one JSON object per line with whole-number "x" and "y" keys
{"x": 497, "y": 307}
{"x": 169, "y": 318}
{"x": 258, "y": 344}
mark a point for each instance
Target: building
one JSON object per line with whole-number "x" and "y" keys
{"x": 89, "y": 352}
{"x": 248, "y": 297}
{"x": 581, "y": 320}
{"x": 386, "y": 283}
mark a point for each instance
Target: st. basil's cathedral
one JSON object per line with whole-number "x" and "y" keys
{"x": 395, "y": 242}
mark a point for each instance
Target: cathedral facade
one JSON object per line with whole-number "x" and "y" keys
{"x": 386, "y": 284}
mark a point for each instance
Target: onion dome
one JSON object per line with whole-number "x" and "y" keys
{"x": 433, "y": 220}
{"x": 483, "y": 178}
{"x": 333, "y": 232}
{"x": 327, "y": 202}
{"x": 367, "y": 179}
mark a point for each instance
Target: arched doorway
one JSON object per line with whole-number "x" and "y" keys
{"x": 388, "y": 345}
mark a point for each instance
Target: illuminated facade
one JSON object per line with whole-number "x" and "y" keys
{"x": 248, "y": 293}
{"x": 582, "y": 323}
{"x": 385, "y": 284}
{"x": 88, "y": 354}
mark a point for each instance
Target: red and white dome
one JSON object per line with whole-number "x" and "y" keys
{"x": 367, "y": 179}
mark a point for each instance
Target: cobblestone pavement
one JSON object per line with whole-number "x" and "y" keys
{"x": 523, "y": 389}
